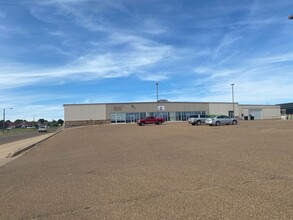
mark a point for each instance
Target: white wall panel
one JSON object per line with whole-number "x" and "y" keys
{"x": 84, "y": 112}
{"x": 222, "y": 108}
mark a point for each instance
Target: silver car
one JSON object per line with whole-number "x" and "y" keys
{"x": 221, "y": 120}
{"x": 197, "y": 119}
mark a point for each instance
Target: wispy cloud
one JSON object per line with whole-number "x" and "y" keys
{"x": 153, "y": 77}
{"x": 224, "y": 45}
{"x": 274, "y": 59}
{"x": 86, "y": 67}
{"x": 152, "y": 26}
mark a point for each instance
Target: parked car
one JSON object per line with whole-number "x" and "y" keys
{"x": 221, "y": 120}
{"x": 197, "y": 119}
{"x": 43, "y": 128}
{"x": 150, "y": 120}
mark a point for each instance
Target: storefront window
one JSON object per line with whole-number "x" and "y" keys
{"x": 132, "y": 117}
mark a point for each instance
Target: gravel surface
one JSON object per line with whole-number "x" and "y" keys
{"x": 171, "y": 171}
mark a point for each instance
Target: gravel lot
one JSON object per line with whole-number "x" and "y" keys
{"x": 172, "y": 171}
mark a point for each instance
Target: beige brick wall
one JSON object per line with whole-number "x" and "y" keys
{"x": 70, "y": 124}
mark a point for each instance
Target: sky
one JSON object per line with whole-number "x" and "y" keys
{"x": 55, "y": 52}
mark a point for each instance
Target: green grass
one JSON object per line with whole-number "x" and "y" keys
{"x": 16, "y": 131}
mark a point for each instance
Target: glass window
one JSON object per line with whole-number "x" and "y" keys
{"x": 231, "y": 114}
{"x": 172, "y": 116}
{"x": 132, "y": 117}
{"x": 113, "y": 118}
{"x": 142, "y": 115}
{"x": 178, "y": 116}
{"x": 121, "y": 117}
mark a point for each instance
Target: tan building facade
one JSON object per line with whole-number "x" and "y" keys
{"x": 101, "y": 113}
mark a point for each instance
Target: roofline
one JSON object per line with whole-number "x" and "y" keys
{"x": 258, "y": 105}
{"x": 121, "y": 103}
{"x": 288, "y": 103}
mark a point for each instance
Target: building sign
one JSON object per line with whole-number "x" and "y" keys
{"x": 161, "y": 108}
{"x": 117, "y": 108}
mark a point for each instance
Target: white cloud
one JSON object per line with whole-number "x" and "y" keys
{"x": 54, "y": 49}
{"x": 225, "y": 44}
{"x": 86, "y": 67}
{"x": 274, "y": 59}
{"x": 24, "y": 105}
{"x": 151, "y": 26}
{"x": 153, "y": 77}
{"x": 30, "y": 112}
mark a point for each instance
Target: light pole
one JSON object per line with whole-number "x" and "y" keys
{"x": 157, "y": 86}
{"x": 3, "y": 125}
{"x": 233, "y": 99}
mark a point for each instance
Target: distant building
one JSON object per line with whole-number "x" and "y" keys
{"x": 106, "y": 113}
{"x": 288, "y": 107}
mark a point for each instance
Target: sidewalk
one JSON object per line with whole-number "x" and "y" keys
{"x": 10, "y": 150}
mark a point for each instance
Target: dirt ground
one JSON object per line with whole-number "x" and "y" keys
{"x": 171, "y": 171}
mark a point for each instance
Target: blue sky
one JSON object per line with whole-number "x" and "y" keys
{"x": 55, "y": 52}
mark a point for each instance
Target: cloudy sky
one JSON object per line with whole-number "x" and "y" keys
{"x": 55, "y": 52}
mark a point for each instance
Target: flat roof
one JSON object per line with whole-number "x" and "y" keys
{"x": 259, "y": 105}
{"x": 121, "y": 103}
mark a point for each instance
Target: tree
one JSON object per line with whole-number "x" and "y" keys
{"x": 60, "y": 122}
{"x": 41, "y": 120}
{"x": 19, "y": 121}
{"x": 6, "y": 123}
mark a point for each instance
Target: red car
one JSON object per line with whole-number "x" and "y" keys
{"x": 150, "y": 120}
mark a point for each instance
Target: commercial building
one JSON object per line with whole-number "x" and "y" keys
{"x": 106, "y": 113}
{"x": 287, "y": 110}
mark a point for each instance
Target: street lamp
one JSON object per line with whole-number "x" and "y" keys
{"x": 3, "y": 125}
{"x": 290, "y": 17}
{"x": 233, "y": 99}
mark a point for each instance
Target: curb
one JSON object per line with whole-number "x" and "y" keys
{"x": 17, "y": 152}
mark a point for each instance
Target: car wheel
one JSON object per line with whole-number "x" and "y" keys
{"x": 198, "y": 123}
{"x": 142, "y": 124}
{"x": 159, "y": 123}
{"x": 217, "y": 123}
{"x": 193, "y": 124}
{"x": 234, "y": 122}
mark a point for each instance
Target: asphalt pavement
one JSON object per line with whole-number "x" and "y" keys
{"x": 4, "y": 139}
{"x": 7, "y": 138}
{"x": 171, "y": 171}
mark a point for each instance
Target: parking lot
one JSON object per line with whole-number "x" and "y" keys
{"x": 169, "y": 171}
